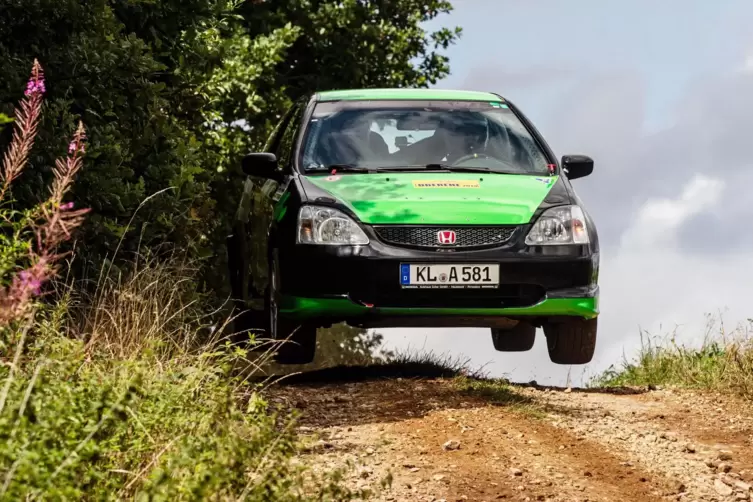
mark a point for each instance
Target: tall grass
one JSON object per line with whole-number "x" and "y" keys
{"x": 123, "y": 395}
{"x": 723, "y": 361}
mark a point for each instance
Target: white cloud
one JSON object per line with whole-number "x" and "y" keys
{"x": 658, "y": 221}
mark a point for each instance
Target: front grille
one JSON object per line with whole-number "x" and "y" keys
{"x": 425, "y": 237}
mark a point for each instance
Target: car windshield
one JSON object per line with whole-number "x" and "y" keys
{"x": 420, "y": 135}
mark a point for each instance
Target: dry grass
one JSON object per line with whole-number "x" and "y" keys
{"x": 128, "y": 393}
{"x": 722, "y": 362}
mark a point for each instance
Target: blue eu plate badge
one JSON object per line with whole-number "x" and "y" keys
{"x": 404, "y": 274}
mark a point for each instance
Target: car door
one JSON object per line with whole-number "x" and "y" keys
{"x": 247, "y": 244}
{"x": 275, "y": 195}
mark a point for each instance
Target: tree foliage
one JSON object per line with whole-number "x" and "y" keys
{"x": 174, "y": 91}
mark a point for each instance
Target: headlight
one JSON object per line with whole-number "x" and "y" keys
{"x": 559, "y": 225}
{"x": 322, "y": 225}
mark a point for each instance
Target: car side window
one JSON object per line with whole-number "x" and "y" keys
{"x": 286, "y": 146}
{"x": 273, "y": 142}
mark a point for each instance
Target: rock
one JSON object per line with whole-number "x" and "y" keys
{"x": 721, "y": 488}
{"x": 516, "y": 472}
{"x": 724, "y": 455}
{"x": 742, "y": 485}
{"x": 689, "y": 448}
{"x": 568, "y": 390}
{"x": 452, "y": 444}
{"x": 438, "y": 477}
{"x": 712, "y": 463}
{"x": 679, "y": 487}
{"x": 370, "y": 451}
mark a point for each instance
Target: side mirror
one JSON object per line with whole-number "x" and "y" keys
{"x": 262, "y": 164}
{"x": 577, "y": 166}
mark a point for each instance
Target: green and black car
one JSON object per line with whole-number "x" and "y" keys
{"x": 415, "y": 208}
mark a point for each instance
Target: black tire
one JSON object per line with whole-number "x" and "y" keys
{"x": 572, "y": 341}
{"x": 519, "y": 338}
{"x": 297, "y": 342}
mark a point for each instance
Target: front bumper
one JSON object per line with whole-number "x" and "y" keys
{"x": 360, "y": 285}
{"x": 333, "y": 310}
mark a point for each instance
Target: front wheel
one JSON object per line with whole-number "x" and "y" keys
{"x": 572, "y": 341}
{"x": 519, "y": 338}
{"x": 296, "y": 342}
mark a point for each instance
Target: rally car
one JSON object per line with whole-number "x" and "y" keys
{"x": 415, "y": 208}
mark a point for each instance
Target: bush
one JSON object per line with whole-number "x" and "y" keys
{"x": 78, "y": 424}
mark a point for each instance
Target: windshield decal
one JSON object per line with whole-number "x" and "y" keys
{"x": 546, "y": 181}
{"x": 445, "y": 184}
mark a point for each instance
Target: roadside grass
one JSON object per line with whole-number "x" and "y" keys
{"x": 723, "y": 361}
{"x": 129, "y": 393}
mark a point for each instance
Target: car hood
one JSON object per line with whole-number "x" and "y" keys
{"x": 438, "y": 198}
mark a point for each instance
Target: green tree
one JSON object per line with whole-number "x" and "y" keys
{"x": 174, "y": 92}
{"x": 141, "y": 75}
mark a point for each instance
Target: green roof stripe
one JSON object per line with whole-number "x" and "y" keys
{"x": 397, "y": 94}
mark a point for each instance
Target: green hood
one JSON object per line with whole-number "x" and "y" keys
{"x": 419, "y": 198}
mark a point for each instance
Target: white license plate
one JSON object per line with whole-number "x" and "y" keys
{"x": 449, "y": 276}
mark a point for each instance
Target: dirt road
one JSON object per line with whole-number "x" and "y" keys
{"x": 457, "y": 440}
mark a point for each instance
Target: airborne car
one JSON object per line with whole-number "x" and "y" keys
{"x": 416, "y": 208}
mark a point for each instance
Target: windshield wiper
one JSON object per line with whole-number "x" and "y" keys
{"x": 435, "y": 167}
{"x": 468, "y": 169}
{"x": 342, "y": 167}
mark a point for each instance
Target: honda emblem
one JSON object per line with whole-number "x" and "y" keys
{"x": 446, "y": 237}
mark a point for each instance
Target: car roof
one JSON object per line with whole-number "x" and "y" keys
{"x": 407, "y": 94}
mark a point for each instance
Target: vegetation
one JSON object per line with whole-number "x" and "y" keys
{"x": 114, "y": 399}
{"x": 173, "y": 92}
{"x": 723, "y": 362}
{"x": 115, "y": 382}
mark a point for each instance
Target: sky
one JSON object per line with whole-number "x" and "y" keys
{"x": 660, "y": 94}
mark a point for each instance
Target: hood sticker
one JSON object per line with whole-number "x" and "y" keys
{"x": 445, "y": 184}
{"x": 332, "y": 178}
{"x": 547, "y": 181}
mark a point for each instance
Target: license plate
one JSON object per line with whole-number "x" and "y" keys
{"x": 442, "y": 276}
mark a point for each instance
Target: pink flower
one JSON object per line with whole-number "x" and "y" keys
{"x": 76, "y": 145}
{"x": 26, "y": 281}
{"x": 35, "y": 86}
{"x": 67, "y": 206}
